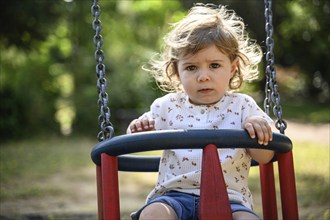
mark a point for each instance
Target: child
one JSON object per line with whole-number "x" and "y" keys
{"x": 206, "y": 55}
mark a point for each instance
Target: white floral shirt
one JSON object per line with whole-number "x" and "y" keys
{"x": 180, "y": 170}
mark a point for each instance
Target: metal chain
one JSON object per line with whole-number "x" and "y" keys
{"x": 272, "y": 96}
{"x": 107, "y": 130}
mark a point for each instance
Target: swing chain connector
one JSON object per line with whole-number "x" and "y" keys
{"x": 107, "y": 130}
{"x": 271, "y": 89}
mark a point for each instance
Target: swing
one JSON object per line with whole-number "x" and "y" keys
{"x": 112, "y": 153}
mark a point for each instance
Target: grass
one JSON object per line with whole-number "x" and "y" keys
{"x": 34, "y": 160}
{"x": 28, "y": 168}
{"x": 312, "y": 174}
{"x": 306, "y": 112}
{"x": 311, "y": 162}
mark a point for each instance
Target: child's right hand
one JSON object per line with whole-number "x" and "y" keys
{"x": 140, "y": 125}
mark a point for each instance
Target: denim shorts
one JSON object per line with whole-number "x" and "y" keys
{"x": 186, "y": 206}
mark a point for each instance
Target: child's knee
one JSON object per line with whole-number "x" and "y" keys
{"x": 158, "y": 210}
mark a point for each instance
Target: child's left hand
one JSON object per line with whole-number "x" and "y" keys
{"x": 258, "y": 127}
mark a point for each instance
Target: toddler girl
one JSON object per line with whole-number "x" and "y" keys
{"x": 206, "y": 56}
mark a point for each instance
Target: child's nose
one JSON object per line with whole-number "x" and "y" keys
{"x": 204, "y": 75}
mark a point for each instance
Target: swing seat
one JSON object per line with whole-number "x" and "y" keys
{"x": 111, "y": 156}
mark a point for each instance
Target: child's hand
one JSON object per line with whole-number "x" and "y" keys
{"x": 258, "y": 127}
{"x": 139, "y": 125}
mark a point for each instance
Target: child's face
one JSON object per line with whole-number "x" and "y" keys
{"x": 205, "y": 75}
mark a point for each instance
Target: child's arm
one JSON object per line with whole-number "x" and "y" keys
{"x": 140, "y": 125}
{"x": 259, "y": 127}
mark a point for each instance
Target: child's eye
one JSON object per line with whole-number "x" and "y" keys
{"x": 214, "y": 65}
{"x": 191, "y": 68}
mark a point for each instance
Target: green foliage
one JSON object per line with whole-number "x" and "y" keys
{"x": 48, "y": 79}
{"x": 307, "y": 112}
{"x": 302, "y": 41}
{"x": 26, "y": 94}
{"x": 27, "y": 24}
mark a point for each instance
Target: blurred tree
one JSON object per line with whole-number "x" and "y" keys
{"x": 47, "y": 68}
{"x": 48, "y": 79}
{"x": 303, "y": 40}
{"x": 26, "y": 91}
{"x": 29, "y": 22}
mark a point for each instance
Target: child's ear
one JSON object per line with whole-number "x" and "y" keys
{"x": 234, "y": 67}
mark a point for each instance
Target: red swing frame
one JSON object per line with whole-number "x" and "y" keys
{"x": 213, "y": 187}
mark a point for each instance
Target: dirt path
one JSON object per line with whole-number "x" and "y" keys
{"x": 319, "y": 133}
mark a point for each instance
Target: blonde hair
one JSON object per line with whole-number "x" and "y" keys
{"x": 205, "y": 25}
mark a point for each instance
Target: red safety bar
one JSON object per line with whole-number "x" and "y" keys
{"x": 214, "y": 201}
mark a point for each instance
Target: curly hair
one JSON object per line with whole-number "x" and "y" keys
{"x": 206, "y": 24}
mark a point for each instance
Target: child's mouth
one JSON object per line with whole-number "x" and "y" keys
{"x": 207, "y": 90}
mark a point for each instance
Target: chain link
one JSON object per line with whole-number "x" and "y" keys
{"x": 272, "y": 96}
{"x": 107, "y": 130}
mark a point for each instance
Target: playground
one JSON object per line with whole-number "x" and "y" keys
{"x": 50, "y": 122}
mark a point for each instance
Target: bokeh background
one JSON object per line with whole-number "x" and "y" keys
{"x": 49, "y": 112}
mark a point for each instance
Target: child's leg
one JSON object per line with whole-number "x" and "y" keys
{"x": 241, "y": 215}
{"x": 158, "y": 210}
